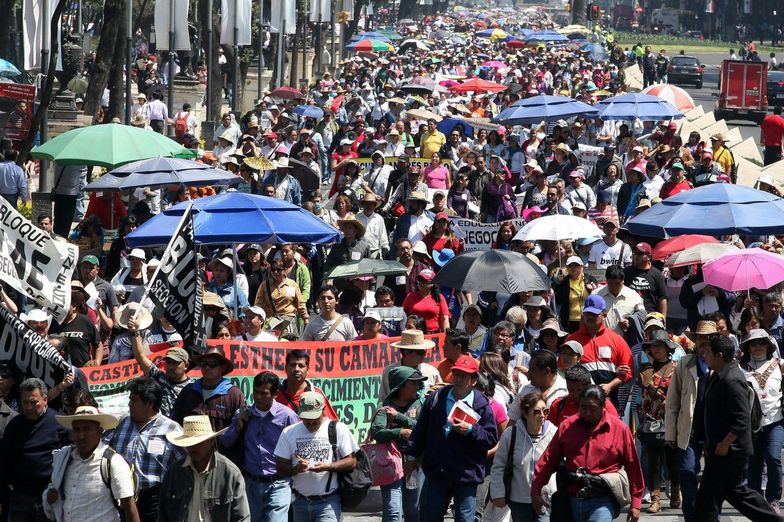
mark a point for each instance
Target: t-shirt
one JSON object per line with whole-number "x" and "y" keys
{"x": 317, "y": 328}
{"x": 650, "y": 284}
{"x": 603, "y": 255}
{"x": 82, "y": 335}
{"x": 427, "y": 308}
{"x": 171, "y": 390}
{"x": 297, "y": 440}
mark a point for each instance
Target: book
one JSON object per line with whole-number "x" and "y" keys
{"x": 462, "y": 412}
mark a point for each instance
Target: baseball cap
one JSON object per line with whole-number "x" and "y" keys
{"x": 643, "y": 247}
{"x": 372, "y": 314}
{"x": 256, "y": 310}
{"x": 177, "y": 354}
{"x": 611, "y": 221}
{"x": 574, "y": 260}
{"x": 36, "y": 314}
{"x": 594, "y": 304}
{"x": 442, "y": 215}
{"x": 93, "y": 260}
{"x": 578, "y": 205}
{"x": 311, "y": 405}
{"x": 638, "y": 149}
{"x": 138, "y": 253}
{"x": 466, "y": 363}
{"x": 426, "y": 274}
{"x": 574, "y": 346}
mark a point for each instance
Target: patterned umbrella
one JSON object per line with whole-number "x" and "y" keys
{"x": 493, "y": 34}
{"x": 370, "y": 45}
{"x": 670, "y": 93}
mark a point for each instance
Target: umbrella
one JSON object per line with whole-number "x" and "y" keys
{"x": 699, "y": 254}
{"x": 161, "y": 172}
{"x": 309, "y": 111}
{"x": 597, "y": 51}
{"x": 558, "y": 227}
{"x": 515, "y": 44}
{"x": 109, "y": 145}
{"x": 374, "y": 267}
{"x": 308, "y": 178}
{"x": 492, "y": 34}
{"x": 422, "y": 85}
{"x": 713, "y": 210}
{"x": 370, "y": 35}
{"x": 493, "y": 270}
{"x": 676, "y": 96}
{"x": 412, "y": 44}
{"x": 78, "y": 85}
{"x": 236, "y": 217}
{"x": 478, "y": 85}
{"x": 495, "y": 64}
{"x": 286, "y": 93}
{"x": 744, "y": 269}
{"x": 543, "y": 107}
{"x": 8, "y": 70}
{"x": 370, "y": 45}
{"x": 445, "y": 127}
{"x": 677, "y": 244}
{"x": 546, "y": 36}
{"x": 440, "y": 34}
{"x": 636, "y": 105}
{"x": 423, "y": 114}
{"x": 575, "y": 29}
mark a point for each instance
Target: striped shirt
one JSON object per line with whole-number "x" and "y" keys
{"x": 147, "y": 450}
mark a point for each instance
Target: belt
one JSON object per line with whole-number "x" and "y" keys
{"x": 315, "y": 498}
{"x": 261, "y": 478}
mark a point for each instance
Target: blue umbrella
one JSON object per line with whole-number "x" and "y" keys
{"x": 597, "y": 51}
{"x": 636, "y": 105}
{"x": 160, "y": 172}
{"x": 713, "y": 210}
{"x": 309, "y": 111}
{"x": 546, "y": 36}
{"x": 236, "y": 217}
{"x": 543, "y": 107}
{"x": 7, "y": 69}
{"x": 372, "y": 35}
{"x": 445, "y": 126}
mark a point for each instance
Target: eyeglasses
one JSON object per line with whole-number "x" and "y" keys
{"x": 211, "y": 364}
{"x": 276, "y": 270}
{"x": 541, "y": 411}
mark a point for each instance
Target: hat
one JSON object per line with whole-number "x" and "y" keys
{"x": 413, "y": 340}
{"x": 398, "y": 376}
{"x": 420, "y": 248}
{"x": 346, "y": 142}
{"x": 706, "y": 154}
{"x": 138, "y": 253}
{"x": 418, "y": 196}
{"x": 393, "y": 132}
{"x": 536, "y": 209}
{"x": 609, "y": 148}
{"x": 719, "y": 136}
{"x": 703, "y": 328}
{"x": 426, "y": 274}
{"x": 223, "y": 261}
{"x": 369, "y": 197}
{"x": 563, "y": 147}
{"x": 574, "y": 346}
{"x": 141, "y": 96}
{"x": 643, "y": 247}
{"x": 473, "y": 307}
{"x": 36, "y": 314}
{"x": 644, "y": 203}
{"x": 654, "y": 320}
{"x": 561, "y": 123}
{"x": 467, "y": 364}
{"x": 93, "y": 260}
{"x": 212, "y": 299}
{"x": 660, "y": 336}
{"x": 128, "y": 310}
{"x": 578, "y": 205}
{"x": 403, "y": 157}
{"x": 282, "y": 163}
{"x": 443, "y": 256}
{"x": 356, "y": 223}
{"x": 178, "y": 355}
{"x": 306, "y": 150}
{"x": 77, "y": 285}
{"x": 638, "y": 149}
{"x": 553, "y": 325}
{"x": 757, "y": 333}
{"x": 256, "y": 310}
{"x": 311, "y": 405}
{"x": 672, "y": 125}
{"x": 574, "y": 260}
{"x": 88, "y": 413}
{"x": 611, "y": 221}
{"x": 577, "y": 173}
{"x": 442, "y": 215}
{"x": 372, "y": 314}
{"x": 253, "y": 246}
{"x": 217, "y": 352}
{"x": 536, "y": 301}
{"x": 594, "y": 304}
{"x": 767, "y": 180}
{"x": 139, "y": 119}
{"x": 195, "y": 430}
{"x": 677, "y": 165}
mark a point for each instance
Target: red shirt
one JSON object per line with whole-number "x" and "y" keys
{"x": 292, "y": 401}
{"x": 603, "y": 353}
{"x": 338, "y": 157}
{"x": 772, "y": 128}
{"x": 670, "y": 189}
{"x": 563, "y": 408}
{"x": 103, "y": 209}
{"x": 605, "y": 449}
{"x": 427, "y": 308}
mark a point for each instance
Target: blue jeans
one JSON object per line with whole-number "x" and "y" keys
{"x": 325, "y": 510}
{"x": 767, "y": 452}
{"x": 268, "y": 501}
{"x": 436, "y": 495}
{"x": 525, "y": 513}
{"x": 597, "y": 509}
{"x": 399, "y": 502}
{"x": 689, "y": 469}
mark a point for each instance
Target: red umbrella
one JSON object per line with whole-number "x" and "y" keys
{"x": 286, "y": 93}
{"x": 515, "y": 44}
{"x": 478, "y": 85}
{"x": 479, "y": 24}
{"x": 677, "y": 244}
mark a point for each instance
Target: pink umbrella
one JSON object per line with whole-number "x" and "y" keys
{"x": 495, "y": 64}
{"x": 745, "y": 269}
{"x": 448, "y": 83}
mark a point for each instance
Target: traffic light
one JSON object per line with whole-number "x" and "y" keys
{"x": 593, "y": 12}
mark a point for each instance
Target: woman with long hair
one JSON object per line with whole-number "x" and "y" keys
{"x": 459, "y": 195}
{"x": 428, "y": 302}
{"x": 441, "y": 236}
{"x": 503, "y": 239}
{"x": 494, "y": 366}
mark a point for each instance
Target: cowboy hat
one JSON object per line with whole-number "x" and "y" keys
{"x": 195, "y": 430}
{"x": 88, "y": 413}
{"x": 212, "y": 299}
{"x": 413, "y": 340}
{"x": 128, "y": 310}
{"x": 418, "y": 196}
{"x": 704, "y": 328}
{"x": 357, "y": 224}
{"x": 217, "y": 352}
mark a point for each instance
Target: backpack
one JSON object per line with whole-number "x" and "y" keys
{"x": 181, "y": 124}
{"x": 353, "y": 485}
{"x": 106, "y": 477}
{"x": 755, "y": 410}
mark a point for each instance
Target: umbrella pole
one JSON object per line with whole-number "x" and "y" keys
{"x": 235, "y": 263}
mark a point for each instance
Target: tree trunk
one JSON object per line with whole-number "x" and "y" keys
{"x": 7, "y": 22}
{"x": 116, "y": 74}
{"x": 112, "y": 21}
{"x": 213, "y": 69}
{"x": 579, "y": 12}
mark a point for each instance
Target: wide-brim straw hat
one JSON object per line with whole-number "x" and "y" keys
{"x": 703, "y": 328}
{"x": 413, "y": 340}
{"x": 88, "y": 413}
{"x": 357, "y": 224}
{"x": 195, "y": 430}
{"x": 126, "y": 311}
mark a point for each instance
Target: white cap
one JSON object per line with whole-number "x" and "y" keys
{"x": 138, "y": 253}
{"x": 372, "y": 314}
{"x": 575, "y": 260}
{"x": 256, "y": 310}
{"x": 37, "y": 315}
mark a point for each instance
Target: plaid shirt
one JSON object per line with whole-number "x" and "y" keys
{"x": 147, "y": 450}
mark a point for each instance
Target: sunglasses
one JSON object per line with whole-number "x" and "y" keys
{"x": 541, "y": 411}
{"x": 211, "y": 364}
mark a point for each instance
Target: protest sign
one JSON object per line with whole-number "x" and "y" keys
{"x": 33, "y": 263}
{"x": 16, "y": 117}
{"x": 31, "y": 354}
{"x": 588, "y": 156}
{"x": 348, "y": 372}
{"x": 365, "y": 163}
{"x": 479, "y": 236}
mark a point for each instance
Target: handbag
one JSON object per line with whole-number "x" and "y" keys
{"x": 651, "y": 431}
{"x": 386, "y": 461}
{"x": 509, "y": 468}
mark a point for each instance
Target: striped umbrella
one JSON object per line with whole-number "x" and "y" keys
{"x": 370, "y": 45}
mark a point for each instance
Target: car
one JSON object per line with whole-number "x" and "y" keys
{"x": 775, "y": 88}
{"x": 685, "y": 70}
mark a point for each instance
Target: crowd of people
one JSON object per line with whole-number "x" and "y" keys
{"x": 614, "y": 389}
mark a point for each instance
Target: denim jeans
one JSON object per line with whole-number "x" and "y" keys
{"x": 436, "y": 495}
{"x": 268, "y": 501}
{"x": 597, "y": 509}
{"x": 325, "y": 510}
{"x": 525, "y": 513}
{"x": 767, "y": 453}
{"x": 399, "y": 502}
{"x": 689, "y": 469}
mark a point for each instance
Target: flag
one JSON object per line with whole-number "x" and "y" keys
{"x": 31, "y": 354}
{"x": 242, "y": 10}
{"x": 320, "y": 10}
{"x": 182, "y": 40}
{"x": 33, "y": 34}
{"x": 285, "y": 10}
{"x": 337, "y": 102}
{"x": 34, "y": 263}
{"x": 175, "y": 287}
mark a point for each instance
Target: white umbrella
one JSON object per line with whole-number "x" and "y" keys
{"x": 699, "y": 254}
{"x": 558, "y": 227}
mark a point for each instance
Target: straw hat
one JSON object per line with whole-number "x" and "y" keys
{"x": 356, "y": 223}
{"x": 217, "y": 352}
{"x": 88, "y": 413}
{"x": 413, "y": 340}
{"x": 212, "y": 299}
{"x": 704, "y": 328}
{"x": 126, "y": 311}
{"x": 195, "y": 430}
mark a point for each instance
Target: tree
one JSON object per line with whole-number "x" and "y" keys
{"x": 109, "y": 56}
{"x": 580, "y": 12}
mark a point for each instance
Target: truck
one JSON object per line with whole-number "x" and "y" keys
{"x": 743, "y": 90}
{"x": 666, "y": 20}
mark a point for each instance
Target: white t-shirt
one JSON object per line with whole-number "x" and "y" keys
{"x": 297, "y": 440}
{"x": 262, "y": 336}
{"x": 603, "y": 255}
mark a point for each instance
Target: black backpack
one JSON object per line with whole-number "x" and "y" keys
{"x": 355, "y": 484}
{"x": 755, "y": 409}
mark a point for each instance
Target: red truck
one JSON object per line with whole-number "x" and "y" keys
{"x": 742, "y": 91}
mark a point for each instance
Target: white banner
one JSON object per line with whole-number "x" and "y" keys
{"x": 284, "y": 10}
{"x": 182, "y": 41}
{"x": 588, "y": 156}
{"x": 240, "y": 9}
{"x": 33, "y": 33}
{"x": 35, "y": 264}
{"x": 479, "y": 236}
{"x": 320, "y": 8}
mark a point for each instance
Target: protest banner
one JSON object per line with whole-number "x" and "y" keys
{"x": 588, "y": 156}
{"x": 365, "y": 163}
{"x": 348, "y": 372}
{"x": 479, "y": 236}
{"x": 28, "y": 352}
{"x": 34, "y": 263}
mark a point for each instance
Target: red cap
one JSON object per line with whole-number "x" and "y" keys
{"x": 643, "y": 247}
{"x": 707, "y": 154}
{"x": 442, "y": 215}
{"x": 426, "y": 274}
{"x": 467, "y": 364}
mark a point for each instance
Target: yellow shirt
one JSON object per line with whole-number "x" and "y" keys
{"x": 577, "y": 294}
{"x": 431, "y": 143}
{"x": 723, "y": 157}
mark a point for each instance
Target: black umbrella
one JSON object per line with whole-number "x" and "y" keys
{"x": 307, "y": 177}
{"x": 494, "y": 271}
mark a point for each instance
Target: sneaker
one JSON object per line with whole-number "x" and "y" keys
{"x": 646, "y": 499}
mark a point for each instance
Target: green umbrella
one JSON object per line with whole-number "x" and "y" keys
{"x": 109, "y": 145}
{"x": 363, "y": 267}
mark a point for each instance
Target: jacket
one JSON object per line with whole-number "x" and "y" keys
{"x": 220, "y": 405}
{"x": 689, "y": 299}
{"x": 603, "y": 353}
{"x": 452, "y": 457}
{"x": 727, "y": 409}
{"x": 562, "y": 296}
{"x": 526, "y": 454}
{"x": 224, "y": 490}
{"x": 681, "y": 399}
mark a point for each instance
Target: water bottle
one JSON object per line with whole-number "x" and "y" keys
{"x": 411, "y": 481}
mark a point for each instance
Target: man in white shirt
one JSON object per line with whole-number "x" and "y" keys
{"x": 621, "y": 300}
{"x": 305, "y": 453}
{"x": 610, "y": 250}
{"x": 254, "y": 326}
{"x": 329, "y": 325}
{"x": 375, "y": 229}
{"x": 544, "y": 379}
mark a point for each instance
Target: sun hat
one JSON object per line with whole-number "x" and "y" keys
{"x": 467, "y": 364}
{"x": 552, "y": 325}
{"x": 178, "y": 355}
{"x": 36, "y": 314}
{"x": 195, "y": 430}
{"x": 138, "y": 253}
{"x": 399, "y": 375}
{"x": 535, "y": 301}
{"x": 443, "y": 256}
{"x": 704, "y": 328}
{"x": 225, "y": 261}
{"x": 88, "y": 413}
{"x": 356, "y": 223}
{"x": 660, "y": 336}
{"x": 594, "y": 304}
{"x": 126, "y": 311}
{"x": 282, "y": 163}
{"x": 574, "y": 346}
{"x": 217, "y": 352}
{"x": 311, "y": 405}
{"x": 255, "y": 310}
{"x": 420, "y": 248}
{"x": 212, "y": 299}
{"x": 757, "y": 333}
{"x": 413, "y": 340}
